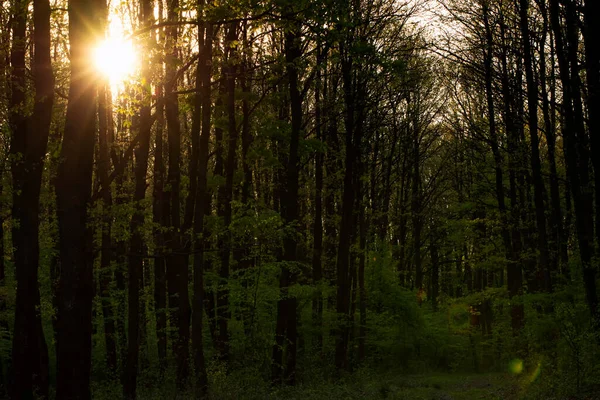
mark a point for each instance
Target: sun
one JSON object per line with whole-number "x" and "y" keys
{"x": 115, "y": 59}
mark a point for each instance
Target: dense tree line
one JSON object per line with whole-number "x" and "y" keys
{"x": 283, "y": 184}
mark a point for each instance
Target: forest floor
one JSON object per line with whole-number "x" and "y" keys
{"x": 417, "y": 387}
{"x": 366, "y": 386}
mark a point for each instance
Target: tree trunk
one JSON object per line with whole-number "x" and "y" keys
{"x": 345, "y": 233}
{"x": 226, "y": 196}
{"x": 556, "y": 220}
{"x": 136, "y": 245}
{"x": 576, "y": 153}
{"x": 202, "y": 105}
{"x": 514, "y": 275}
{"x": 73, "y": 190}
{"x": 177, "y": 274}
{"x": 105, "y": 274}
{"x": 536, "y": 167}
{"x": 286, "y": 328}
{"x": 29, "y": 143}
{"x": 317, "y": 259}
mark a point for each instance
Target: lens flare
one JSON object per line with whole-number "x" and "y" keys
{"x": 516, "y": 366}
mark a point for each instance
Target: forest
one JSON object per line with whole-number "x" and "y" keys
{"x": 299, "y": 199}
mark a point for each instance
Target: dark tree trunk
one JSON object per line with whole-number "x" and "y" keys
{"x": 575, "y": 142}
{"x": 352, "y": 124}
{"x": 211, "y": 293}
{"x": 558, "y": 255}
{"x": 160, "y": 283}
{"x": 489, "y": 72}
{"x": 317, "y": 258}
{"x": 29, "y": 143}
{"x": 136, "y": 245}
{"x": 73, "y": 190}
{"x": 177, "y": 274}
{"x": 415, "y": 208}
{"x": 362, "y": 290}
{"x": 225, "y": 198}
{"x": 435, "y": 272}
{"x": 536, "y": 167}
{"x": 243, "y": 251}
{"x": 105, "y": 274}
{"x": 286, "y": 328}
{"x": 202, "y": 103}
{"x": 514, "y": 274}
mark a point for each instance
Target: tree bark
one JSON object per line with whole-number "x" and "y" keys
{"x": 203, "y": 106}
{"x": 317, "y": 258}
{"x": 226, "y": 197}
{"x": 29, "y": 143}
{"x": 73, "y": 191}
{"x": 136, "y": 245}
{"x": 177, "y": 274}
{"x": 286, "y": 328}
{"x": 538, "y": 183}
{"x": 576, "y": 153}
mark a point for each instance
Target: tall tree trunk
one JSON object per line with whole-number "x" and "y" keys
{"x": 203, "y": 106}
{"x": 415, "y": 208}
{"x": 177, "y": 274}
{"x": 556, "y": 228}
{"x": 317, "y": 259}
{"x": 29, "y": 143}
{"x": 243, "y": 252}
{"x": 345, "y": 233}
{"x": 362, "y": 290}
{"x": 435, "y": 271}
{"x": 105, "y": 274}
{"x": 514, "y": 274}
{"x": 536, "y": 167}
{"x": 226, "y": 197}
{"x": 158, "y": 218}
{"x": 73, "y": 190}
{"x": 136, "y": 245}
{"x": 286, "y": 328}
{"x": 576, "y": 154}
{"x": 160, "y": 283}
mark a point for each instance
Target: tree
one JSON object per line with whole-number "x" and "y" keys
{"x": 29, "y": 143}
{"x": 73, "y": 192}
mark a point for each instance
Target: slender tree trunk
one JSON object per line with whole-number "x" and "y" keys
{"x": 136, "y": 245}
{"x": 226, "y": 197}
{"x": 73, "y": 190}
{"x": 514, "y": 274}
{"x": 160, "y": 283}
{"x": 203, "y": 106}
{"x": 362, "y": 290}
{"x": 435, "y": 272}
{"x": 317, "y": 267}
{"x": 345, "y": 234}
{"x": 286, "y": 328}
{"x": 417, "y": 220}
{"x": 536, "y": 167}
{"x": 177, "y": 274}
{"x": 576, "y": 153}
{"x": 556, "y": 218}
{"x": 105, "y": 273}
{"x": 243, "y": 251}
